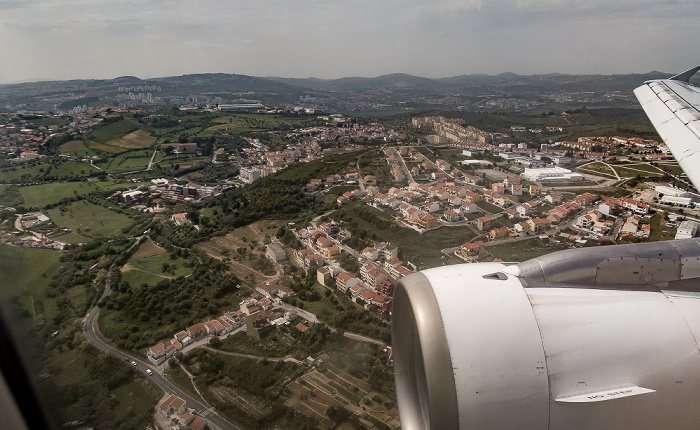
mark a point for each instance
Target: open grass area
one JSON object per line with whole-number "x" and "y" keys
{"x": 25, "y": 273}
{"x": 132, "y": 399}
{"x": 659, "y": 230}
{"x": 672, "y": 168}
{"x": 109, "y": 131}
{"x": 64, "y": 169}
{"x": 155, "y": 264}
{"x": 46, "y": 194}
{"x": 10, "y": 195}
{"x": 272, "y": 346}
{"x": 488, "y": 207}
{"x": 598, "y": 168}
{"x": 88, "y": 219}
{"x": 132, "y": 160}
{"x": 135, "y": 140}
{"x": 77, "y": 148}
{"x": 59, "y": 121}
{"x": 71, "y": 367}
{"x": 644, "y": 170}
{"x": 137, "y": 278}
{"x": 97, "y": 146}
{"x": 71, "y": 237}
{"x": 524, "y": 249}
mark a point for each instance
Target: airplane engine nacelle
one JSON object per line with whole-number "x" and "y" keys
{"x": 593, "y": 338}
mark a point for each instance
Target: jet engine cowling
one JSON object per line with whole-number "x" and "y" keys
{"x": 592, "y": 338}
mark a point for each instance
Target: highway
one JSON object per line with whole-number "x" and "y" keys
{"x": 92, "y": 332}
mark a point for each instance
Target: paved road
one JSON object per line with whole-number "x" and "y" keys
{"x": 92, "y": 332}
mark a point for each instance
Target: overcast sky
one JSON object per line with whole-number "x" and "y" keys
{"x": 67, "y": 39}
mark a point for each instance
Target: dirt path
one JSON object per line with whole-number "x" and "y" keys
{"x": 193, "y": 384}
{"x": 33, "y": 310}
{"x": 243, "y": 267}
{"x": 286, "y": 358}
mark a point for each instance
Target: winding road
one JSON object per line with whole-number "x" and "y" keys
{"x": 92, "y": 332}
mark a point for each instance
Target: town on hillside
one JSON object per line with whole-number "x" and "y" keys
{"x": 250, "y": 254}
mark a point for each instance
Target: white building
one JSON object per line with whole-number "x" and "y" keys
{"x": 687, "y": 230}
{"x": 671, "y": 191}
{"x": 551, "y": 174}
{"x": 676, "y": 201}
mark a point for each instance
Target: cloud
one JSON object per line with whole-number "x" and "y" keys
{"x": 340, "y": 38}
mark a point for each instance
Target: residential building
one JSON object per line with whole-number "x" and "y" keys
{"x": 483, "y": 223}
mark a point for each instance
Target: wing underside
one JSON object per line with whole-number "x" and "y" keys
{"x": 673, "y": 106}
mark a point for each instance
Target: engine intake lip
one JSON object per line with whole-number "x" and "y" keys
{"x": 427, "y": 400}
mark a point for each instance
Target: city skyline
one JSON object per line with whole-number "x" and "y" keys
{"x": 85, "y": 39}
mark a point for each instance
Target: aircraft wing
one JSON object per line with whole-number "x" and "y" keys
{"x": 673, "y": 106}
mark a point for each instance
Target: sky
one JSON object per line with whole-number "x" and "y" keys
{"x": 84, "y": 39}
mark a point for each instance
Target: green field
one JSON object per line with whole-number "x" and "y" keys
{"x": 77, "y": 148}
{"x": 134, "y": 140}
{"x": 105, "y": 133}
{"x": 67, "y": 169}
{"x": 149, "y": 270}
{"x": 131, "y": 399}
{"x": 89, "y": 220}
{"x": 598, "y": 168}
{"x": 25, "y": 273}
{"x": 111, "y": 149}
{"x": 46, "y": 194}
{"x": 643, "y": 170}
{"x": 71, "y": 237}
{"x": 128, "y": 161}
{"x": 59, "y": 121}
{"x": 10, "y": 195}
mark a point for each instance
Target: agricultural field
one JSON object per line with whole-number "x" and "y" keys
{"x": 147, "y": 249}
{"x": 352, "y": 379}
{"x": 110, "y": 149}
{"x": 128, "y": 161}
{"x": 77, "y": 148}
{"x": 135, "y": 140}
{"x": 89, "y": 220}
{"x": 112, "y": 129}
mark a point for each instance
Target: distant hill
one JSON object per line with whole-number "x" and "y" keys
{"x": 396, "y": 91}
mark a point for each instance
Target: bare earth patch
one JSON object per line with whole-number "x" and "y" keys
{"x": 147, "y": 249}
{"x": 134, "y": 140}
